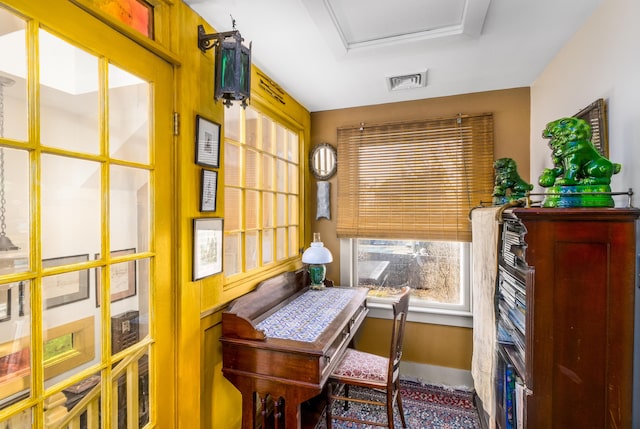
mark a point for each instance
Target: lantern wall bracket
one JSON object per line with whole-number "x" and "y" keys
{"x": 208, "y": 41}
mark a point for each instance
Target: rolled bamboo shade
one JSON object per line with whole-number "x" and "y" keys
{"x": 414, "y": 180}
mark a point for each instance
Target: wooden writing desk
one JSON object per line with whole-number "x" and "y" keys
{"x": 281, "y": 342}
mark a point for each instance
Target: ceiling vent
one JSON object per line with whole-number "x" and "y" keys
{"x": 407, "y": 81}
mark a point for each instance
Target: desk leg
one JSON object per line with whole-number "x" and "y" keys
{"x": 248, "y": 410}
{"x": 292, "y": 415}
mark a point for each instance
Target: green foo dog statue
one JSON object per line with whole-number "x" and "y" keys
{"x": 508, "y": 185}
{"x": 580, "y": 176}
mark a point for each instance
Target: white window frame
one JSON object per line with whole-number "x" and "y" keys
{"x": 433, "y": 313}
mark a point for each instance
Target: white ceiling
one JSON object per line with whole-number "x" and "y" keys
{"x": 331, "y": 54}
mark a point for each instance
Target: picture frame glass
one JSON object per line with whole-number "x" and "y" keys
{"x": 207, "y": 142}
{"x": 208, "y": 190}
{"x": 207, "y": 247}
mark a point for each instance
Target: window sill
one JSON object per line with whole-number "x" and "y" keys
{"x": 462, "y": 319}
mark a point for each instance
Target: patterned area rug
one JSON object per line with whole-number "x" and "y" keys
{"x": 425, "y": 407}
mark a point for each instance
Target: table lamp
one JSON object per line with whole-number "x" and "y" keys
{"x": 316, "y": 256}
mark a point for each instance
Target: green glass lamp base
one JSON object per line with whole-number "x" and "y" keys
{"x": 578, "y": 196}
{"x": 317, "y": 274}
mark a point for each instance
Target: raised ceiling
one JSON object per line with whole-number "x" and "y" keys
{"x": 331, "y": 54}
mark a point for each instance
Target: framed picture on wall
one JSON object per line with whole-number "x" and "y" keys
{"x": 65, "y": 288}
{"x": 207, "y": 247}
{"x": 596, "y": 116}
{"x": 208, "y": 190}
{"x": 123, "y": 277}
{"x": 207, "y": 142}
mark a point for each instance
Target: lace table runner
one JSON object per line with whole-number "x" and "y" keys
{"x": 307, "y": 316}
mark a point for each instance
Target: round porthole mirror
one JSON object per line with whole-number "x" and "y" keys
{"x": 323, "y": 161}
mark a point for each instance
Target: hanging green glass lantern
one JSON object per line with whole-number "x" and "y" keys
{"x": 233, "y": 65}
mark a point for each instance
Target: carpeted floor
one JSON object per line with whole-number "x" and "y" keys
{"x": 425, "y": 407}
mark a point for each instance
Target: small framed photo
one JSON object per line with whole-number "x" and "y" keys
{"x": 208, "y": 190}
{"x": 207, "y": 247}
{"x": 207, "y": 142}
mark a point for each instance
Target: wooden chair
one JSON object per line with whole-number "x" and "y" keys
{"x": 368, "y": 370}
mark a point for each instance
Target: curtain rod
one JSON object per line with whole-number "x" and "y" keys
{"x": 363, "y": 125}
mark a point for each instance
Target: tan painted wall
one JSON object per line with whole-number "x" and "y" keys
{"x": 424, "y": 343}
{"x": 430, "y": 344}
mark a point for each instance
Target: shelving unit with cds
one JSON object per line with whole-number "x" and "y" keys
{"x": 511, "y": 312}
{"x": 565, "y": 318}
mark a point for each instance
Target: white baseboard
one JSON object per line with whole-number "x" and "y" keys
{"x": 438, "y": 375}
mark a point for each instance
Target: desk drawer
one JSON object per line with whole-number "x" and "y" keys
{"x": 335, "y": 351}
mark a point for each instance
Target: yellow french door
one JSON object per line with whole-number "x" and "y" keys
{"x": 85, "y": 223}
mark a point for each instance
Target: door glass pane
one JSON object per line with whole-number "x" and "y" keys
{"x": 128, "y": 288}
{"x": 129, "y": 209}
{"x": 69, "y": 98}
{"x": 128, "y": 116}
{"x": 13, "y": 72}
{"x": 70, "y": 321}
{"x": 86, "y": 390}
{"x": 142, "y": 291}
{"x": 70, "y": 208}
{"x": 22, "y": 419}
{"x": 137, "y": 407}
{"x": 15, "y": 211}
{"x": 15, "y": 339}
{"x": 125, "y": 328}
{"x": 66, "y": 288}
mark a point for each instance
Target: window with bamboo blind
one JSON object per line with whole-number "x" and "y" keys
{"x": 262, "y": 191}
{"x": 404, "y": 195}
{"x": 415, "y": 180}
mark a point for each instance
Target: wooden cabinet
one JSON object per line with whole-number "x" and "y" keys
{"x": 565, "y": 314}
